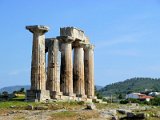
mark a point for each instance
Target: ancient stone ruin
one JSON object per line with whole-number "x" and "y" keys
{"x": 59, "y": 77}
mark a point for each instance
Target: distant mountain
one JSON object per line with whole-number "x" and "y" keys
{"x": 131, "y": 85}
{"x": 10, "y": 89}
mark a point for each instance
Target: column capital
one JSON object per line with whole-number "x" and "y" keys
{"x": 37, "y": 29}
{"x": 78, "y": 44}
{"x": 66, "y": 39}
{"x": 49, "y": 42}
{"x": 48, "y": 39}
{"x": 89, "y": 46}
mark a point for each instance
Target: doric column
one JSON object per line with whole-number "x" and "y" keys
{"x": 53, "y": 70}
{"x": 78, "y": 69}
{"x": 66, "y": 81}
{"x": 89, "y": 70}
{"x": 38, "y": 75}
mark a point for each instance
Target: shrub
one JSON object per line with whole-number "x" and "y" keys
{"x": 130, "y": 100}
{"x": 155, "y": 101}
{"x": 123, "y": 101}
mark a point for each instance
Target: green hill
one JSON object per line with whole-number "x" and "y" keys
{"x": 131, "y": 85}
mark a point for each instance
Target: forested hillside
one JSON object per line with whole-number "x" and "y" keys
{"x": 131, "y": 85}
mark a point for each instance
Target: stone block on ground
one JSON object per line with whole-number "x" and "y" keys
{"x": 97, "y": 100}
{"x": 123, "y": 111}
{"x": 91, "y": 106}
{"x": 130, "y": 115}
{"x": 41, "y": 107}
{"x": 29, "y": 107}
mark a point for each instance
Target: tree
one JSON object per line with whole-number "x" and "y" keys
{"x": 99, "y": 96}
{"x": 155, "y": 101}
{"x": 14, "y": 92}
{"x": 21, "y": 90}
{"x": 130, "y": 91}
{"x": 120, "y": 96}
{"x": 5, "y": 95}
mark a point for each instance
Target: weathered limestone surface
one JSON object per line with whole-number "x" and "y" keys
{"x": 73, "y": 32}
{"x": 87, "y": 41}
{"x": 66, "y": 82}
{"x": 89, "y": 70}
{"x": 78, "y": 69}
{"x": 38, "y": 75}
{"x": 53, "y": 72}
{"x": 37, "y": 95}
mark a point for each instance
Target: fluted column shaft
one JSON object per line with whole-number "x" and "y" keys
{"x": 38, "y": 75}
{"x": 89, "y": 70}
{"x": 78, "y": 70}
{"x": 66, "y": 82}
{"x": 53, "y": 72}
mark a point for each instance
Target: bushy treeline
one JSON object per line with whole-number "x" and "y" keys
{"x": 16, "y": 94}
{"x": 155, "y": 101}
{"x": 136, "y": 84}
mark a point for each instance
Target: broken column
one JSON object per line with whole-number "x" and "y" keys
{"x": 89, "y": 70}
{"x": 66, "y": 81}
{"x": 53, "y": 70}
{"x": 38, "y": 74}
{"x": 78, "y": 69}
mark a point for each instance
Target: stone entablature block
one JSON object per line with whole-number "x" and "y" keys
{"x": 73, "y": 32}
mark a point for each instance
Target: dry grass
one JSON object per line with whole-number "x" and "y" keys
{"x": 3, "y": 111}
{"x": 72, "y": 110}
{"x": 73, "y": 115}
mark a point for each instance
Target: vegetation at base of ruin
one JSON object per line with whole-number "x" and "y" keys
{"x": 73, "y": 110}
{"x": 73, "y": 115}
{"x": 64, "y": 114}
{"x": 15, "y": 104}
{"x": 137, "y": 84}
{"x": 72, "y": 105}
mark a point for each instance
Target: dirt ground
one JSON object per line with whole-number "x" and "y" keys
{"x": 72, "y": 111}
{"x": 50, "y": 115}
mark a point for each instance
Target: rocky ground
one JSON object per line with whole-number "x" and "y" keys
{"x": 80, "y": 112}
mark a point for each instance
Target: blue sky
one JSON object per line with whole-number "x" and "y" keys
{"x": 126, "y": 35}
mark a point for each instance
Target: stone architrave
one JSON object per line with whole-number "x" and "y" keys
{"x": 66, "y": 77}
{"x": 38, "y": 75}
{"x": 53, "y": 70}
{"x": 89, "y": 70}
{"x": 78, "y": 69}
{"x": 73, "y": 32}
